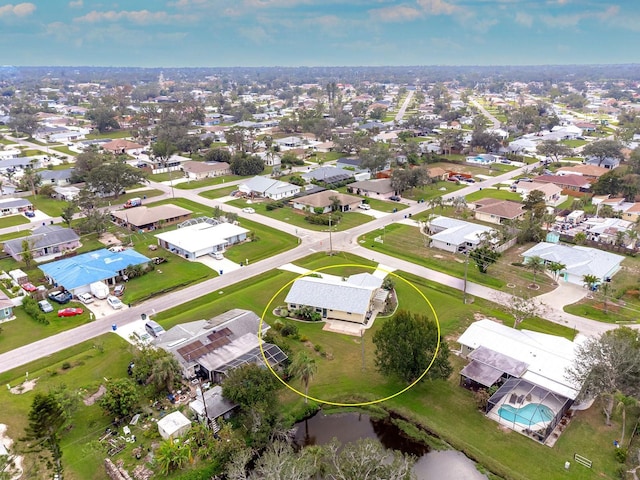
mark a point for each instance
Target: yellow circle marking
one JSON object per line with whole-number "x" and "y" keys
{"x": 340, "y": 404}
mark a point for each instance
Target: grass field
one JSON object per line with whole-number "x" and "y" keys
{"x": 13, "y": 220}
{"x": 208, "y": 182}
{"x": 502, "y": 194}
{"x": 218, "y": 192}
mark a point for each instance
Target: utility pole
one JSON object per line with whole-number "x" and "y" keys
{"x": 466, "y": 268}
{"x": 330, "y": 239}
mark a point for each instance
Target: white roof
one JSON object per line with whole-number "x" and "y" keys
{"x": 201, "y": 235}
{"x": 547, "y": 356}
{"x": 173, "y": 422}
{"x": 458, "y": 231}
{"x": 342, "y": 296}
{"x": 580, "y": 261}
{"x": 266, "y": 186}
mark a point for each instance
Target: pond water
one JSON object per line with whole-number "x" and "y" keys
{"x": 349, "y": 427}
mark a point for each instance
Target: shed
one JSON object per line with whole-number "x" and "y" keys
{"x": 19, "y": 276}
{"x": 173, "y": 425}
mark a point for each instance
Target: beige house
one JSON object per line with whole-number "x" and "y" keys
{"x": 150, "y": 218}
{"x": 592, "y": 172}
{"x": 325, "y": 200}
{"x": 493, "y": 210}
{"x": 552, "y": 193}
{"x": 200, "y": 170}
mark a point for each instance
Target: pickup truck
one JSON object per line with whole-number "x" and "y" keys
{"x": 61, "y": 297}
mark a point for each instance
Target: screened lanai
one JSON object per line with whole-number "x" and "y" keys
{"x": 527, "y": 408}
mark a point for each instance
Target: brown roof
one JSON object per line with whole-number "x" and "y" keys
{"x": 436, "y": 172}
{"x": 323, "y": 199}
{"x": 501, "y": 208}
{"x": 120, "y": 144}
{"x": 568, "y": 180}
{"x": 142, "y": 215}
{"x": 586, "y": 170}
{"x": 202, "y": 167}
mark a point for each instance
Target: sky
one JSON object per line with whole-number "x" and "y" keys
{"x": 220, "y": 33}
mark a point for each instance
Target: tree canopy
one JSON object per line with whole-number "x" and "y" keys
{"x": 244, "y": 165}
{"x": 603, "y": 149}
{"x": 121, "y": 398}
{"x": 406, "y": 344}
{"x": 110, "y": 179}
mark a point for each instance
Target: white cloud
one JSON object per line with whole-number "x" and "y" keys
{"x": 76, "y": 3}
{"x": 397, "y": 13}
{"x": 437, "y": 7}
{"x": 18, "y": 10}
{"x": 524, "y": 19}
{"x": 135, "y": 16}
{"x": 572, "y": 20}
{"x": 257, "y": 35}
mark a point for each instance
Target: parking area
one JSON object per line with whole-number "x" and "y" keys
{"x": 101, "y": 309}
{"x": 221, "y": 266}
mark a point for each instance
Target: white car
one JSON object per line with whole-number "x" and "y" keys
{"x": 114, "y": 302}
{"x": 248, "y": 210}
{"x": 85, "y": 298}
{"x": 364, "y": 206}
{"x": 217, "y": 255}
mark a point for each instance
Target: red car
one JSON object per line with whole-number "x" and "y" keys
{"x": 70, "y": 312}
{"x": 29, "y": 287}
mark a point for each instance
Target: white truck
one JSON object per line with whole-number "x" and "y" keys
{"x": 133, "y": 202}
{"x": 99, "y": 290}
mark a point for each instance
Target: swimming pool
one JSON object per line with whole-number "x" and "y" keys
{"x": 528, "y": 415}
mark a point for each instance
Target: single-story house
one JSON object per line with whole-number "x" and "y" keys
{"x": 351, "y": 300}
{"x": 373, "y": 188}
{"x": 208, "y": 349}
{"x": 482, "y": 159}
{"x": 609, "y": 162}
{"x": 325, "y": 201}
{"x": 268, "y": 188}
{"x": 579, "y": 260}
{"x": 453, "y": 235}
{"x": 77, "y": 273}
{"x": 45, "y": 241}
{"x": 437, "y": 174}
{"x": 592, "y": 172}
{"x": 605, "y": 230}
{"x": 174, "y": 425}
{"x": 66, "y": 193}
{"x": 6, "y": 308}
{"x": 576, "y": 183}
{"x": 494, "y": 210}
{"x": 552, "y": 193}
{"x": 212, "y": 405}
{"x": 200, "y": 170}
{"x": 202, "y": 236}
{"x": 144, "y": 218}
{"x": 327, "y": 175}
{"x": 120, "y": 146}
{"x": 59, "y": 178}
{"x": 13, "y": 206}
{"x": 530, "y": 370}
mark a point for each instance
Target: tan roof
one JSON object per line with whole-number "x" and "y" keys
{"x": 502, "y": 208}
{"x": 201, "y": 167}
{"x": 586, "y": 170}
{"x": 546, "y": 188}
{"x": 121, "y": 144}
{"x": 436, "y": 172}
{"x": 633, "y": 209}
{"x": 323, "y": 199}
{"x": 142, "y": 215}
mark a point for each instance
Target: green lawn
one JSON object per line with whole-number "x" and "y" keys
{"x": 13, "y": 220}
{"x": 218, "y": 192}
{"x": 111, "y": 135}
{"x": 502, "y": 194}
{"x": 208, "y": 182}
{"x": 12, "y": 235}
{"x": 294, "y": 217}
{"x": 574, "y": 143}
{"x": 65, "y": 149}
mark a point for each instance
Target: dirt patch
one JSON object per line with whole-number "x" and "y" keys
{"x": 17, "y": 470}
{"x": 109, "y": 239}
{"x": 611, "y": 307}
{"x": 91, "y": 399}
{"x": 25, "y": 386}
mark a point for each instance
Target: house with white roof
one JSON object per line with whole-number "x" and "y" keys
{"x": 352, "y": 299}
{"x": 201, "y": 236}
{"x": 268, "y": 188}
{"x": 530, "y": 370}
{"x": 579, "y": 260}
{"x": 453, "y": 235}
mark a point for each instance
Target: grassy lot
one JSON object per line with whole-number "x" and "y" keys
{"x": 294, "y": 217}
{"x": 111, "y": 135}
{"x": 265, "y": 243}
{"x": 573, "y": 143}
{"x": 432, "y": 191}
{"x": 13, "y": 220}
{"x": 66, "y": 150}
{"x": 407, "y": 243}
{"x": 319, "y": 157}
{"x": 12, "y": 235}
{"x": 218, "y": 192}
{"x": 208, "y": 182}
{"x": 502, "y": 194}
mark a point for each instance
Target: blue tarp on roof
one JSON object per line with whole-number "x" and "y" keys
{"x": 91, "y": 267}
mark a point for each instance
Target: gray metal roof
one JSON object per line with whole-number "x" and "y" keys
{"x": 317, "y": 292}
{"x": 14, "y": 203}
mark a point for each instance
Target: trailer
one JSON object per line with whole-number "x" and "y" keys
{"x": 99, "y": 290}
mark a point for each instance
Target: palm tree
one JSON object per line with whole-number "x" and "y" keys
{"x": 590, "y": 281}
{"x": 535, "y": 264}
{"x": 555, "y": 268}
{"x": 305, "y": 367}
{"x": 164, "y": 371}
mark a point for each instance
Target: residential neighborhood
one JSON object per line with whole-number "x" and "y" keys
{"x": 200, "y": 265}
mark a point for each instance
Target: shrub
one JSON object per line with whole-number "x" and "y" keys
{"x": 304, "y": 338}
{"x": 289, "y": 330}
{"x": 66, "y": 366}
{"x": 278, "y": 324}
{"x": 621, "y": 455}
{"x": 318, "y": 348}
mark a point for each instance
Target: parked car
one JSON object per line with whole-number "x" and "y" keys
{"x": 61, "y": 297}
{"x": 114, "y": 302}
{"x": 248, "y": 210}
{"x": 118, "y": 290}
{"x": 29, "y": 213}
{"x": 505, "y": 161}
{"x": 364, "y": 206}
{"x": 154, "y": 328}
{"x": 395, "y": 198}
{"x": 85, "y": 298}
{"x": 45, "y": 306}
{"x": 217, "y": 255}
{"x": 70, "y": 312}
{"x": 29, "y": 287}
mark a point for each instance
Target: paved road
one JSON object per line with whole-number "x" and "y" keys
{"x": 310, "y": 241}
{"x": 496, "y": 123}
{"x": 404, "y": 106}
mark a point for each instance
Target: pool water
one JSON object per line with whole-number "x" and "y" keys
{"x": 528, "y": 415}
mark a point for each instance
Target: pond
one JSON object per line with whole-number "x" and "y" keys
{"x": 349, "y": 427}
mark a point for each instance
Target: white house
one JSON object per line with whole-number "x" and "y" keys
{"x": 455, "y": 235}
{"x": 268, "y": 188}
{"x": 579, "y": 261}
{"x": 198, "y": 237}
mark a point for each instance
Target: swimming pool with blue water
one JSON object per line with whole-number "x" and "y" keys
{"x": 528, "y": 415}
